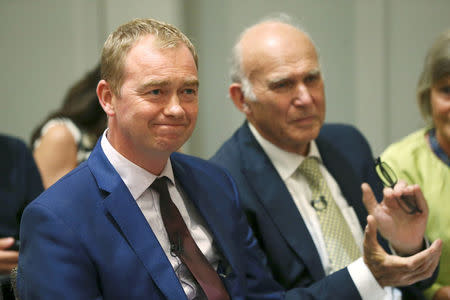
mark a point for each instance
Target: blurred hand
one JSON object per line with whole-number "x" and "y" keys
{"x": 393, "y": 270}
{"x": 8, "y": 258}
{"x": 442, "y": 294}
{"x": 405, "y": 232}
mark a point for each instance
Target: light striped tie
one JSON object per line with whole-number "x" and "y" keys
{"x": 339, "y": 241}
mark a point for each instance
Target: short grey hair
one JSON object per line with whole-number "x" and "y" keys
{"x": 237, "y": 74}
{"x": 436, "y": 67}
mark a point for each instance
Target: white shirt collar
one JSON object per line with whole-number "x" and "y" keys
{"x": 284, "y": 162}
{"x": 135, "y": 178}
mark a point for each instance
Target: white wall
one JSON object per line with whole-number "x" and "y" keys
{"x": 45, "y": 46}
{"x": 117, "y": 12}
{"x": 371, "y": 53}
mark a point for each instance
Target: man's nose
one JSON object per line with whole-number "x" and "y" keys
{"x": 174, "y": 107}
{"x": 303, "y": 95}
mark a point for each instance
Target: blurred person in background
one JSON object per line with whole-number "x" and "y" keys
{"x": 67, "y": 136}
{"x": 423, "y": 157}
{"x": 20, "y": 183}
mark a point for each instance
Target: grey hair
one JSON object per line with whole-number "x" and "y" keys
{"x": 436, "y": 67}
{"x": 237, "y": 74}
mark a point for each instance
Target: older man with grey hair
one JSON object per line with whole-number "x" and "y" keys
{"x": 300, "y": 181}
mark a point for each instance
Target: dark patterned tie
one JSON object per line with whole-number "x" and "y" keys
{"x": 183, "y": 245}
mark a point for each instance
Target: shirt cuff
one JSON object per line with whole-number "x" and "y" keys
{"x": 367, "y": 285}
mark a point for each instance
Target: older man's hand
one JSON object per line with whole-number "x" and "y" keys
{"x": 393, "y": 270}
{"x": 8, "y": 258}
{"x": 405, "y": 232}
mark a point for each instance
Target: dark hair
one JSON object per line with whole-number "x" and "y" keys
{"x": 81, "y": 106}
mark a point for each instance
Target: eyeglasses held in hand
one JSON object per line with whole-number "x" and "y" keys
{"x": 389, "y": 179}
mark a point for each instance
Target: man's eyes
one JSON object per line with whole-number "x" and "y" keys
{"x": 312, "y": 78}
{"x": 155, "y": 92}
{"x": 288, "y": 84}
{"x": 190, "y": 91}
{"x": 161, "y": 92}
{"x": 281, "y": 85}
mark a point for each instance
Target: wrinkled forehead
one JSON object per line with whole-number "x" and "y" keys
{"x": 281, "y": 63}
{"x": 149, "y": 51}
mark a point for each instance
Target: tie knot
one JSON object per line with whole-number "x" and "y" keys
{"x": 310, "y": 169}
{"x": 160, "y": 184}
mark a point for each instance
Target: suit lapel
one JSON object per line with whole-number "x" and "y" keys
{"x": 132, "y": 225}
{"x": 203, "y": 196}
{"x": 274, "y": 196}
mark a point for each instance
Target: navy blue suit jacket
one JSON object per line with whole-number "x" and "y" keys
{"x": 20, "y": 183}
{"x": 86, "y": 238}
{"x": 275, "y": 219}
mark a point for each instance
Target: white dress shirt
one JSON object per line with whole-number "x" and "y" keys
{"x": 286, "y": 163}
{"x": 138, "y": 182}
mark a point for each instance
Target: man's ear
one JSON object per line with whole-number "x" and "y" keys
{"x": 105, "y": 97}
{"x": 236, "y": 94}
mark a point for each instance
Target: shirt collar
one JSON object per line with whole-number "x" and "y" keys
{"x": 135, "y": 178}
{"x": 437, "y": 149}
{"x": 284, "y": 162}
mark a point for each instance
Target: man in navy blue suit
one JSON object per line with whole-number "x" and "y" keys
{"x": 20, "y": 183}
{"x": 278, "y": 85}
{"x": 100, "y": 231}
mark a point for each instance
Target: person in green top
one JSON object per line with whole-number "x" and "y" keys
{"x": 423, "y": 157}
